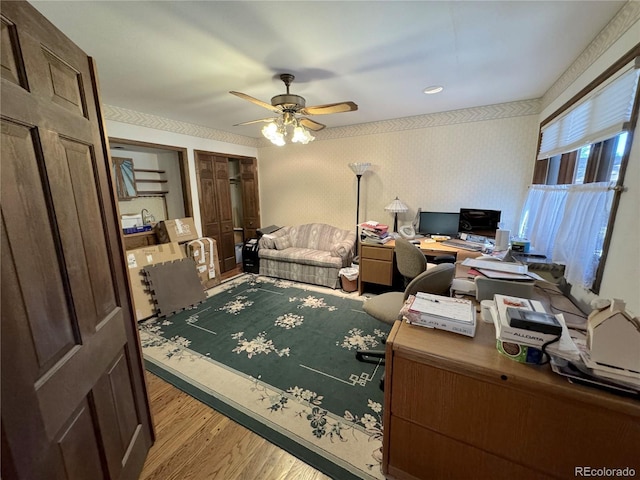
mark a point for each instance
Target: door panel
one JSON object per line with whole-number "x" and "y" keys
{"x": 226, "y": 248}
{"x": 74, "y": 404}
{"x": 216, "y": 205}
{"x": 250, "y": 197}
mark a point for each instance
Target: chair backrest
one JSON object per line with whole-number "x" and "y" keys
{"x": 436, "y": 280}
{"x": 410, "y": 260}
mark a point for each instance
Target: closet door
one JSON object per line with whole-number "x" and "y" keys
{"x": 250, "y": 196}
{"x": 215, "y": 205}
{"x": 226, "y": 248}
{"x": 74, "y": 403}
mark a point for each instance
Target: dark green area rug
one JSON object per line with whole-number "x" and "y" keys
{"x": 279, "y": 357}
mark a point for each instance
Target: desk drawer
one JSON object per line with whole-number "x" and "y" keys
{"x": 376, "y": 253}
{"x": 376, "y": 271}
{"x": 524, "y": 426}
{"x": 423, "y": 453}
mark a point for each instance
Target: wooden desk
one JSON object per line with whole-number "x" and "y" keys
{"x": 455, "y": 408}
{"x": 377, "y": 264}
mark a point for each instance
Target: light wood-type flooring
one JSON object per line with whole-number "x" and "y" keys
{"x": 195, "y": 442}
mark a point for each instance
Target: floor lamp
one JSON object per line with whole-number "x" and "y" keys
{"x": 358, "y": 169}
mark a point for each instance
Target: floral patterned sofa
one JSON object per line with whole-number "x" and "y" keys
{"x": 311, "y": 253}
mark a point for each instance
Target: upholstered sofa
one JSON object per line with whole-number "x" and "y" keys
{"x": 311, "y": 253}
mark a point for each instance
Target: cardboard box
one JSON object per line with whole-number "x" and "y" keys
{"x": 177, "y": 230}
{"x": 136, "y": 261}
{"x": 613, "y": 337}
{"x": 205, "y": 253}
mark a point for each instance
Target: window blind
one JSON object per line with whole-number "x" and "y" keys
{"x": 601, "y": 115}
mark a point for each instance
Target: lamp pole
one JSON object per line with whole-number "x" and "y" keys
{"x": 358, "y": 169}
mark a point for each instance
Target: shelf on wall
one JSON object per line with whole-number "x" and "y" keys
{"x": 150, "y": 180}
{"x": 148, "y": 170}
{"x": 159, "y": 193}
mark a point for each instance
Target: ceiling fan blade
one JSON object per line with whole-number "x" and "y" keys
{"x": 271, "y": 119}
{"x": 257, "y": 102}
{"x": 329, "y": 108}
{"x": 310, "y": 124}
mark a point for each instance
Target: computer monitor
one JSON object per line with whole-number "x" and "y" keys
{"x": 477, "y": 221}
{"x": 439, "y": 223}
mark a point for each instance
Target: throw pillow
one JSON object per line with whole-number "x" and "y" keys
{"x": 282, "y": 243}
{"x": 267, "y": 242}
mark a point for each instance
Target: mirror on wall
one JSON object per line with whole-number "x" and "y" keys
{"x": 125, "y": 178}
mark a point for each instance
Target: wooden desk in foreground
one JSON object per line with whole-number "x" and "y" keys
{"x": 377, "y": 264}
{"x": 456, "y": 408}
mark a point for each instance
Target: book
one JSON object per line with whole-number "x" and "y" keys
{"x": 376, "y": 241}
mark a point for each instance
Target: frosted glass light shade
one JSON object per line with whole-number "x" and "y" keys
{"x": 359, "y": 168}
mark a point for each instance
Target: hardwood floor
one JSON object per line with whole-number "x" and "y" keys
{"x": 193, "y": 441}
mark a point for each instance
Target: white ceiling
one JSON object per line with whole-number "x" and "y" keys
{"x": 179, "y": 59}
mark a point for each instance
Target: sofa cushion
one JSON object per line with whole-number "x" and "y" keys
{"x": 303, "y": 256}
{"x": 282, "y": 243}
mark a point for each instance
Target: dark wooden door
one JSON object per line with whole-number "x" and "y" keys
{"x": 226, "y": 248}
{"x": 216, "y": 211}
{"x": 250, "y": 196}
{"x": 209, "y": 216}
{"x": 74, "y": 403}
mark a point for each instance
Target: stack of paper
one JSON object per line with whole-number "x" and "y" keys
{"x": 374, "y": 232}
{"x": 445, "y": 313}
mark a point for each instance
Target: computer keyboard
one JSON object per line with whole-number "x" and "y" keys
{"x": 462, "y": 245}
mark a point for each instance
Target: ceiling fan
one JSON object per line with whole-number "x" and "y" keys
{"x": 291, "y": 110}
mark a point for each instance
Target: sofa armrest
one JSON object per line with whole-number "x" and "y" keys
{"x": 345, "y": 248}
{"x": 267, "y": 240}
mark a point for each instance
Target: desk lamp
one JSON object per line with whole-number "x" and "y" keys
{"x": 396, "y": 207}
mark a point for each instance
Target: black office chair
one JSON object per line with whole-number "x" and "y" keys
{"x": 386, "y": 307}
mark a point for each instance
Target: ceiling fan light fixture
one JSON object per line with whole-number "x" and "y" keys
{"x": 274, "y": 133}
{"x": 302, "y": 135}
{"x": 433, "y": 89}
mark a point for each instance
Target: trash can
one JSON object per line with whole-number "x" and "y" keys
{"x": 349, "y": 279}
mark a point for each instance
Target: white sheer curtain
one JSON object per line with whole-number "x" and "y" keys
{"x": 581, "y": 234}
{"x": 542, "y": 215}
{"x": 568, "y": 224}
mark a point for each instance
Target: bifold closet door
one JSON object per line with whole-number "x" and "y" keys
{"x": 215, "y": 205}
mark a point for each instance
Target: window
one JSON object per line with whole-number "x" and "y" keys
{"x": 579, "y": 172}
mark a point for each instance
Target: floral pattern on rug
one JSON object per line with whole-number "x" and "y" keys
{"x": 321, "y": 424}
{"x": 312, "y": 302}
{"x": 289, "y": 321}
{"x": 258, "y": 345}
{"x": 357, "y": 340}
{"x": 235, "y": 306}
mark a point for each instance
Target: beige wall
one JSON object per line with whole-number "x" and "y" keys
{"x": 481, "y": 164}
